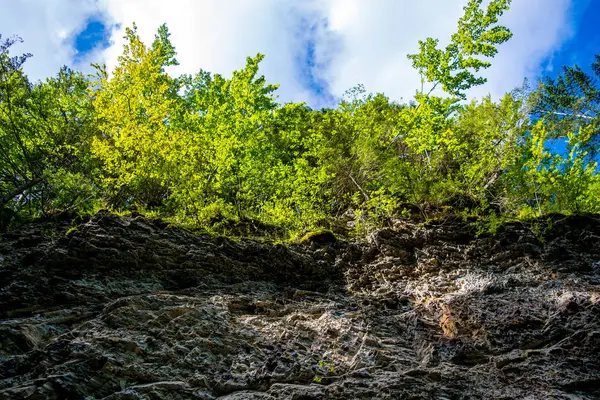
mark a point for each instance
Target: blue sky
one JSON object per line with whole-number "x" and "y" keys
{"x": 315, "y": 49}
{"x": 307, "y": 62}
{"x": 584, "y": 44}
{"x": 580, "y": 49}
{"x": 95, "y": 34}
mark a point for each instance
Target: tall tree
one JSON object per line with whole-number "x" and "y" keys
{"x": 45, "y": 131}
{"x": 570, "y": 102}
{"x": 136, "y": 109}
{"x": 478, "y": 36}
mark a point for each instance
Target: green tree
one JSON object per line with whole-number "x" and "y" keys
{"x": 477, "y": 36}
{"x": 136, "y": 110}
{"x": 569, "y": 102}
{"x": 45, "y": 131}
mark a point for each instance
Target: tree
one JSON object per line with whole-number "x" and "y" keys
{"x": 136, "y": 110}
{"x": 571, "y": 102}
{"x": 477, "y": 36}
{"x": 44, "y": 137}
{"x": 19, "y": 169}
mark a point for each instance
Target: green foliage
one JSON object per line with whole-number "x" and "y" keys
{"x": 324, "y": 368}
{"x": 220, "y": 154}
{"x": 134, "y": 110}
{"x": 571, "y": 102}
{"x": 45, "y": 134}
{"x": 318, "y": 235}
{"x": 477, "y": 36}
{"x": 71, "y": 230}
{"x": 543, "y": 182}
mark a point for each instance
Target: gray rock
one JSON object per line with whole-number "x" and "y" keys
{"x": 126, "y": 308}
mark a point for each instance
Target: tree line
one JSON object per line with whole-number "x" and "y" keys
{"x": 214, "y": 152}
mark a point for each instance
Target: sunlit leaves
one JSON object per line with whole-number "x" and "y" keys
{"x": 475, "y": 41}
{"x": 45, "y": 127}
{"x": 219, "y": 152}
{"x": 135, "y": 108}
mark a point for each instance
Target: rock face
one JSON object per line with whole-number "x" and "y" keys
{"x": 126, "y": 308}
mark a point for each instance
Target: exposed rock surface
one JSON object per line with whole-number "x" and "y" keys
{"x": 126, "y": 308}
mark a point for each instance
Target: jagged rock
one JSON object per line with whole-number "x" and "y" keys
{"x": 129, "y": 308}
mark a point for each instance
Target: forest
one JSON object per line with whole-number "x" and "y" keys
{"x": 220, "y": 154}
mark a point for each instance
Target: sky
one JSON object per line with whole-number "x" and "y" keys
{"x": 315, "y": 49}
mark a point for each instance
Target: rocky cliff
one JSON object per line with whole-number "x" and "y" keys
{"x": 127, "y": 308}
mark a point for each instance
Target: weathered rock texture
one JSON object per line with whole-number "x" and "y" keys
{"x": 126, "y": 308}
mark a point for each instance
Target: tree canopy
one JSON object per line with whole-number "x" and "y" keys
{"x": 220, "y": 153}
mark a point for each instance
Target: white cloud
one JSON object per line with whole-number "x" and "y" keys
{"x": 379, "y": 37}
{"x": 47, "y": 28}
{"x": 217, "y": 36}
{"x": 378, "y": 34}
{"x": 362, "y": 41}
{"x": 539, "y": 28}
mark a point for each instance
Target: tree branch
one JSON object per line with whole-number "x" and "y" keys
{"x": 18, "y": 190}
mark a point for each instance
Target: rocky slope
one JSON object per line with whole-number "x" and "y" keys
{"x": 126, "y": 308}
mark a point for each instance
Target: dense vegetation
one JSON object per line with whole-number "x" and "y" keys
{"x": 216, "y": 152}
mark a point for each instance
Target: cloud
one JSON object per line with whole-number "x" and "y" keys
{"x": 48, "y": 28}
{"x": 316, "y": 49}
{"x": 539, "y": 30}
{"x": 377, "y": 36}
{"x": 217, "y": 36}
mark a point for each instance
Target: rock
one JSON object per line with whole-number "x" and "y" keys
{"x": 247, "y": 395}
{"x": 297, "y": 392}
{"x": 126, "y": 308}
